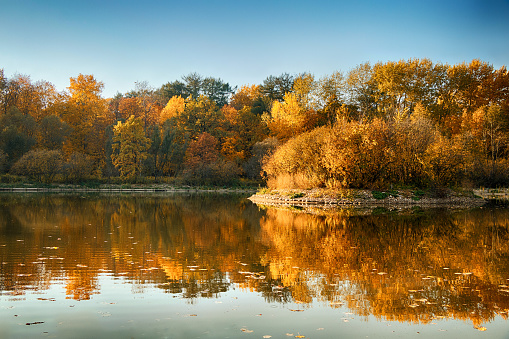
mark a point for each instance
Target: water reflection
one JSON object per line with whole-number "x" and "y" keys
{"x": 412, "y": 266}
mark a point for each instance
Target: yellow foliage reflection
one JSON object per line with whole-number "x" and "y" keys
{"x": 411, "y": 266}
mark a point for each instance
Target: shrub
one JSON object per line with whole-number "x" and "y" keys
{"x": 78, "y": 167}
{"x": 297, "y": 163}
{"x": 358, "y": 155}
{"x": 41, "y": 165}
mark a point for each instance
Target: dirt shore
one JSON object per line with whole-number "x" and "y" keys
{"x": 366, "y": 198}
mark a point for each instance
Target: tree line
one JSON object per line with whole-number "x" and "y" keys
{"x": 410, "y": 122}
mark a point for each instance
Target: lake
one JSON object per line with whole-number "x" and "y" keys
{"x": 218, "y": 266}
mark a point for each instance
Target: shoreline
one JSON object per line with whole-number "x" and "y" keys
{"x": 133, "y": 189}
{"x": 362, "y": 198}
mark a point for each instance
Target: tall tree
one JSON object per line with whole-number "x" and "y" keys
{"x": 52, "y": 132}
{"x": 17, "y": 134}
{"x": 275, "y": 87}
{"x": 193, "y": 84}
{"x": 85, "y": 111}
{"x": 217, "y": 90}
{"x": 330, "y": 91}
{"x": 245, "y": 97}
{"x": 362, "y": 91}
{"x": 173, "y": 108}
{"x": 129, "y": 148}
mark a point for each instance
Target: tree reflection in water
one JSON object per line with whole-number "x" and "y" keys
{"x": 412, "y": 266}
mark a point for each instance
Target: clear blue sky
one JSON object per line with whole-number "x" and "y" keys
{"x": 241, "y": 42}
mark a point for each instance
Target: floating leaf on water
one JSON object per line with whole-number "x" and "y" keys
{"x": 35, "y": 323}
{"x": 320, "y": 329}
{"x": 245, "y": 330}
{"x": 480, "y": 328}
{"x": 267, "y": 336}
{"x": 193, "y": 315}
{"x": 300, "y": 336}
{"x": 296, "y": 310}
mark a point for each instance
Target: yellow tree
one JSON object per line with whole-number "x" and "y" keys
{"x": 173, "y": 108}
{"x": 245, "y": 96}
{"x": 130, "y": 147}
{"x": 289, "y": 118}
{"x": 87, "y": 114}
{"x": 128, "y": 107}
{"x": 303, "y": 87}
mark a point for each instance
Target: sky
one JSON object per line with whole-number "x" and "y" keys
{"x": 240, "y": 42}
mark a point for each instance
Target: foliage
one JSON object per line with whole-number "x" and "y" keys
{"x": 260, "y": 151}
{"x": 297, "y": 162}
{"x": 77, "y": 168}
{"x": 129, "y": 148}
{"x": 368, "y": 155}
{"x": 382, "y": 195}
{"x": 17, "y": 134}
{"x": 3, "y": 160}
{"x": 173, "y": 108}
{"x": 204, "y": 164}
{"x": 41, "y": 165}
{"x": 407, "y": 122}
{"x": 53, "y": 132}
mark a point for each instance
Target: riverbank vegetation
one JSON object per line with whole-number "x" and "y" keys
{"x": 411, "y": 123}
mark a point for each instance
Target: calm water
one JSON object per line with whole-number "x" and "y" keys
{"x": 217, "y": 266}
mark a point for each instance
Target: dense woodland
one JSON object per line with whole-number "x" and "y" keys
{"x": 411, "y": 122}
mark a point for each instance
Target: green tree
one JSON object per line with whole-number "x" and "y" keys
{"x": 17, "y": 134}
{"x": 130, "y": 148}
{"x": 173, "y": 148}
{"x": 217, "y": 90}
{"x": 3, "y": 160}
{"x": 52, "y": 132}
{"x": 275, "y": 87}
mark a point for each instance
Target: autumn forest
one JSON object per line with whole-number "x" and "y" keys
{"x": 410, "y": 122}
